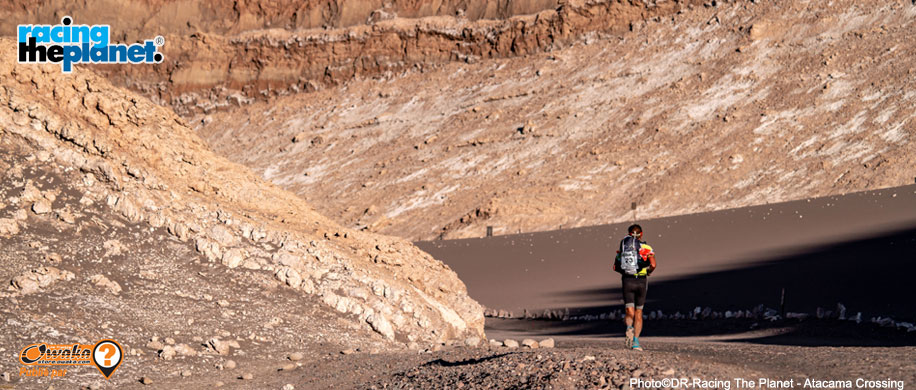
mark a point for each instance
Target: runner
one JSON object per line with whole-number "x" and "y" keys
{"x": 635, "y": 261}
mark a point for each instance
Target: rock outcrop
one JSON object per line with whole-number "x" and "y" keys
{"x": 145, "y": 164}
{"x": 221, "y": 63}
{"x": 138, "y": 19}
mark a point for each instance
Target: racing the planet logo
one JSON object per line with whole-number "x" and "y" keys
{"x": 69, "y": 43}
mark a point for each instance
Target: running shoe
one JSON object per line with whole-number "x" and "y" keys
{"x": 636, "y": 346}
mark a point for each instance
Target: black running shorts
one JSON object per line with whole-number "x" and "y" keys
{"x": 634, "y": 291}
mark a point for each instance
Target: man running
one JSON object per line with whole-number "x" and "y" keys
{"x": 635, "y": 261}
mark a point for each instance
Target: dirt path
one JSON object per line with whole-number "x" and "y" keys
{"x": 602, "y": 362}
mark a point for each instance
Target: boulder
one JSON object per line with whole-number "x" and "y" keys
{"x": 41, "y": 206}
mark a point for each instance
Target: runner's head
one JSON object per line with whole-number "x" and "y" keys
{"x": 635, "y": 231}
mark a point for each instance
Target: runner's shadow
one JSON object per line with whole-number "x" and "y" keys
{"x": 468, "y": 362}
{"x": 872, "y": 275}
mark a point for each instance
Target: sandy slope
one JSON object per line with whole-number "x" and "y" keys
{"x": 713, "y": 108}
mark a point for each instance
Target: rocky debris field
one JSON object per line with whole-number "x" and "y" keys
{"x": 148, "y": 167}
{"x": 603, "y": 363}
{"x": 117, "y": 221}
{"x": 710, "y": 108}
{"x": 536, "y": 369}
{"x": 76, "y": 273}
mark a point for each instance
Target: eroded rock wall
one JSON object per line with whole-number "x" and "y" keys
{"x": 218, "y": 68}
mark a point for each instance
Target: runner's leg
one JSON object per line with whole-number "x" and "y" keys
{"x": 629, "y": 301}
{"x": 637, "y": 322}
{"x": 639, "y": 301}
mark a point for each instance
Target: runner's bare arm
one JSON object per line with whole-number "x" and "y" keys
{"x": 651, "y": 262}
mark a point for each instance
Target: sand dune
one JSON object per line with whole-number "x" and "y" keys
{"x": 856, "y": 249}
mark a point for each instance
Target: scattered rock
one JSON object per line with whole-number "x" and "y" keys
{"x": 230, "y": 364}
{"x": 154, "y": 344}
{"x": 222, "y": 235}
{"x": 511, "y": 343}
{"x": 167, "y": 352}
{"x": 185, "y": 350}
{"x": 146, "y": 380}
{"x": 20, "y": 215}
{"x": 247, "y": 376}
{"x": 30, "y": 282}
{"x": 112, "y": 248}
{"x": 8, "y": 227}
{"x": 289, "y": 276}
{"x": 100, "y": 280}
{"x": 29, "y": 193}
{"x": 54, "y": 257}
{"x": 496, "y": 343}
{"x": 233, "y": 257}
{"x": 41, "y": 206}
{"x": 530, "y": 343}
{"x": 218, "y": 346}
{"x": 66, "y": 216}
{"x": 381, "y": 325}
{"x": 296, "y": 356}
{"x": 288, "y": 367}
{"x": 528, "y": 128}
{"x": 546, "y": 343}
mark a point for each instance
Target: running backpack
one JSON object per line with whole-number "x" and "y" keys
{"x": 629, "y": 255}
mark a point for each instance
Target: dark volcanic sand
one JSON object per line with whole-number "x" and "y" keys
{"x": 858, "y": 249}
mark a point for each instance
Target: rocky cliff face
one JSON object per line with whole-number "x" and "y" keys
{"x": 716, "y": 107}
{"x": 140, "y": 19}
{"x": 218, "y": 64}
{"x": 144, "y": 165}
